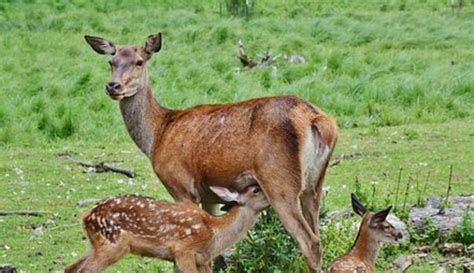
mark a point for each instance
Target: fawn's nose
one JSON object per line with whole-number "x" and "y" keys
{"x": 112, "y": 87}
{"x": 399, "y": 236}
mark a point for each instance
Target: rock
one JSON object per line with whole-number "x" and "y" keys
{"x": 423, "y": 249}
{"x": 462, "y": 202}
{"x": 451, "y": 248}
{"x": 400, "y": 225}
{"x": 6, "y": 268}
{"x": 468, "y": 267}
{"x": 470, "y": 251}
{"x": 402, "y": 263}
{"x": 434, "y": 202}
{"x": 445, "y": 219}
{"x": 4, "y": 247}
{"x": 341, "y": 213}
{"x": 38, "y": 231}
{"x": 441, "y": 270}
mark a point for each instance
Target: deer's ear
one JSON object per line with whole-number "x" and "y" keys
{"x": 225, "y": 194}
{"x": 357, "y": 205}
{"x": 153, "y": 44}
{"x": 380, "y": 216}
{"x": 101, "y": 45}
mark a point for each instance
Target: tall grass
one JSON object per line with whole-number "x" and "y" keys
{"x": 369, "y": 63}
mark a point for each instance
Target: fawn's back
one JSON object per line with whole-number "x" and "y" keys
{"x": 150, "y": 227}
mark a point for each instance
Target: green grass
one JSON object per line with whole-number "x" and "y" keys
{"x": 36, "y": 179}
{"x": 397, "y": 76}
{"x": 369, "y": 63}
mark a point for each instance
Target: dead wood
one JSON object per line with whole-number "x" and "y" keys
{"x": 22, "y": 213}
{"x": 101, "y": 166}
{"x": 266, "y": 60}
{"x": 87, "y": 201}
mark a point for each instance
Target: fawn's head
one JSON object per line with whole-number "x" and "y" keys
{"x": 251, "y": 197}
{"x": 128, "y": 64}
{"x": 377, "y": 222}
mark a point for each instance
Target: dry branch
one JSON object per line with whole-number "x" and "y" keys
{"x": 101, "y": 166}
{"x": 22, "y": 213}
{"x": 105, "y": 167}
{"x": 87, "y": 201}
{"x": 266, "y": 60}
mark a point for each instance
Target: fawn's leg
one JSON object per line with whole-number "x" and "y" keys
{"x": 186, "y": 262}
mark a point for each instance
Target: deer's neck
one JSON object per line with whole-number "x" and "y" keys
{"x": 143, "y": 117}
{"x": 366, "y": 247}
{"x": 230, "y": 227}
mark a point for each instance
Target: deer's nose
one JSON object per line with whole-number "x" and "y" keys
{"x": 112, "y": 87}
{"x": 399, "y": 236}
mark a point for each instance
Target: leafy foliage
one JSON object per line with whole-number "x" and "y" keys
{"x": 268, "y": 248}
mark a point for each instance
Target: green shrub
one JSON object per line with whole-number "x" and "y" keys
{"x": 268, "y": 248}
{"x": 464, "y": 233}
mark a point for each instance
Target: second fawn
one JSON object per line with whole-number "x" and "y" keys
{"x": 180, "y": 232}
{"x": 373, "y": 230}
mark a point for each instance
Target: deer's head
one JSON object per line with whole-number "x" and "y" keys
{"x": 251, "y": 197}
{"x": 128, "y": 64}
{"x": 379, "y": 227}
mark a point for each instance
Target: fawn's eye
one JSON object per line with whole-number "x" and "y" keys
{"x": 139, "y": 63}
{"x": 256, "y": 190}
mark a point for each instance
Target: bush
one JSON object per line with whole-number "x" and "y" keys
{"x": 464, "y": 233}
{"x": 268, "y": 248}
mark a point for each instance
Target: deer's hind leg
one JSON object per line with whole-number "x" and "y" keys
{"x": 282, "y": 187}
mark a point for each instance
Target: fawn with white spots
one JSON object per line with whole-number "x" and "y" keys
{"x": 373, "y": 230}
{"x": 180, "y": 232}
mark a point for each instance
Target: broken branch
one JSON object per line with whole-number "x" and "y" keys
{"x": 101, "y": 166}
{"x": 22, "y": 213}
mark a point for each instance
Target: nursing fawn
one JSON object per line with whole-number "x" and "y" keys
{"x": 180, "y": 232}
{"x": 373, "y": 230}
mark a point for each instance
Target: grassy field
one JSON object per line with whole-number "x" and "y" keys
{"x": 397, "y": 76}
{"x": 37, "y": 179}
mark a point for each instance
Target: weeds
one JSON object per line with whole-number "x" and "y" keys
{"x": 258, "y": 253}
{"x": 464, "y": 233}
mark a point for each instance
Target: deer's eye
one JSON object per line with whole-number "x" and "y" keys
{"x": 256, "y": 190}
{"x": 139, "y": 63}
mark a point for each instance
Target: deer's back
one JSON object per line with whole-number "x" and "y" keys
{"x": 222, "y": 141}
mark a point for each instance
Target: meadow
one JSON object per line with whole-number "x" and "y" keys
{"x": 397, "y": 76}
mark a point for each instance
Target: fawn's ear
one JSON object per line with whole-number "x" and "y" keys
{"x": 153, "y": 44}
{"x": 380, "y": 216}
{"x": 101, "y": 45}
{"x": 225, "y": 194}
{"x": 357, "y": 205}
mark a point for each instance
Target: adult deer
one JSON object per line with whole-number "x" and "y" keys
{"x": 282, "y": 143}
{"x": 374, "y": 229}
{"x": 179, "y": 232}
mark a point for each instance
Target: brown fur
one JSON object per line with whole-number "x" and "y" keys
{"x": 363, "y": 254}
{"x": 261, "y": 140}
{"x": 180, "y": 232}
